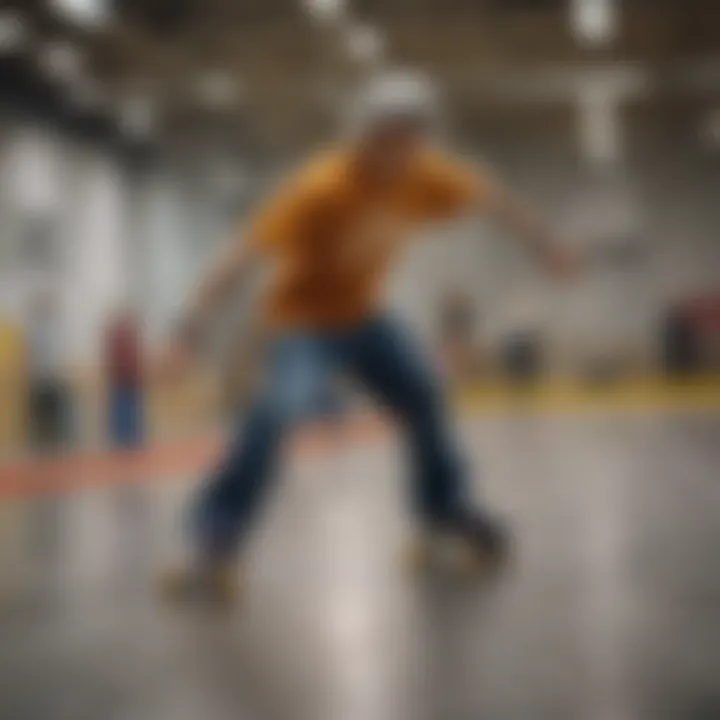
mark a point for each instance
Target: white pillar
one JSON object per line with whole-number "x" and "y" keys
{"x": 95, "y": 232}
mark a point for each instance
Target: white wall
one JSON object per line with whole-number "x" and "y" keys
{"x": 665, "y": 197}
{"x": 179, "y": 226}
{"x": 149, "y": 237}
{"x": 96, "y": 238}
{"x": 81, "y": 193}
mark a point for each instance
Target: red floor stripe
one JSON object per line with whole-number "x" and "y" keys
{"x": 77, "y": 471}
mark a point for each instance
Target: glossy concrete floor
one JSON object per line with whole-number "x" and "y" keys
{"x": 610, "y": 611}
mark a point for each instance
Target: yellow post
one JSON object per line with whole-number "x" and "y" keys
{"x": 13, "y": 388}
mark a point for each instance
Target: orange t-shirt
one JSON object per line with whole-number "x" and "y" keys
{"x": 332, "y": 236}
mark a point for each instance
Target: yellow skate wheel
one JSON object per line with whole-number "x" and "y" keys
{"x": 219, "y": 585}
{"x": 418, "y": 556}
{"x": 177, "y": 584}
{"x": 468, "y": 561}
{"x": 223, "y": 585}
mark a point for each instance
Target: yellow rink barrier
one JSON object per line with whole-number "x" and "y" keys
{"x": 701, "y": 393}
{"x": 13, "y": 390}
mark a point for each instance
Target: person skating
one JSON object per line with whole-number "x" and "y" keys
{"x": 331, "y": 232}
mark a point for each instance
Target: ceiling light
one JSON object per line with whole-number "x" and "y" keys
{"x": 89, "y": 13}
{"x": 593, "y": 21}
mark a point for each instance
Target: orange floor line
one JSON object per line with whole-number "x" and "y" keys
{"x": 76, "y": 471}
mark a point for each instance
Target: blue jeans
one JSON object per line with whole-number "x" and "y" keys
{"x": 125, "y": 416}
{"x": 383, "y": 358}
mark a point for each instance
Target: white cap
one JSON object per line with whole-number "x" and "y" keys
{"x": 392, "y": 96}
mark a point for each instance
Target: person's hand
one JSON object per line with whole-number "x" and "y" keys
{"x": 563, "y": 263}
{"x": 174, "y": 361}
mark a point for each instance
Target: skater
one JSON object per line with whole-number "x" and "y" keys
{"x": 50, "y": 392}
{"x": 124, "y": 378}
{"x": 330, "y": 234}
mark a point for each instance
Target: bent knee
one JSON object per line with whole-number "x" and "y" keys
{"x": 421, "y": 403}
{"x": 285, "y": 406}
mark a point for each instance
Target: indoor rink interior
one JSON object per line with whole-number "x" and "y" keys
{"x": 136, "y": 138}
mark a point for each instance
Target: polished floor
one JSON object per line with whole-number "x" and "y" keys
{"x": 610, "y": 610}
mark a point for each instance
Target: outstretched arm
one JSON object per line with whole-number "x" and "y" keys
{"x": 226, "y": 272}
{"x": 229, "y": 268}
{"x": 454, "y": 188}
{"x": 512, "y": 213}
{"x": 281, "y": 221}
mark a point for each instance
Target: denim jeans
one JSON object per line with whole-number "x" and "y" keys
{"x": 382, "y": 358}
{"x": 125, "y": 416}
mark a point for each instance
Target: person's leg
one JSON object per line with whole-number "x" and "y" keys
{"x": 45, "y": 416}
{"x": 117, "y": 420}
{"x": 386, "y": 360}
{"x": 228, "y": 503}
{"x": 65, "y": 428}
{"x": 137, "y": 413}
{"x": 330, "y": 406}
{"x": 35, "y": 419}
{"x": 126, "y": 416}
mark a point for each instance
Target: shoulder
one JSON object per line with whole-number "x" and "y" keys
{"x": 455, "y": 173}
{"x": 437, "y": 163}
{"x": 319, "y": 180}
{"x": 447, "y": 185}
{"x": 301, "y": 200}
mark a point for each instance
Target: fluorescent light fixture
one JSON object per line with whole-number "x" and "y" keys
{"x": 13, "y": 32}
{"x": 89, "y": 13}
{"x": 364, "y": 43}
{"x": 593, "y": 22}
{"x": 325, "y": 10}
{"x": 218, "y": 89}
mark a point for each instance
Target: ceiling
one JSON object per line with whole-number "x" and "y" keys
{"x": 267, "y": 75}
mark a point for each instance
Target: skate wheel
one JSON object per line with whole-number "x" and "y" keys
{"x": 216, "y": 586}
{"x": 176, "y": 584}
{"x": 471, "y": 561}
{"x": 417, "y": 556}
{"x": 468, "y": 561}
{"x": 223, "y": 587}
